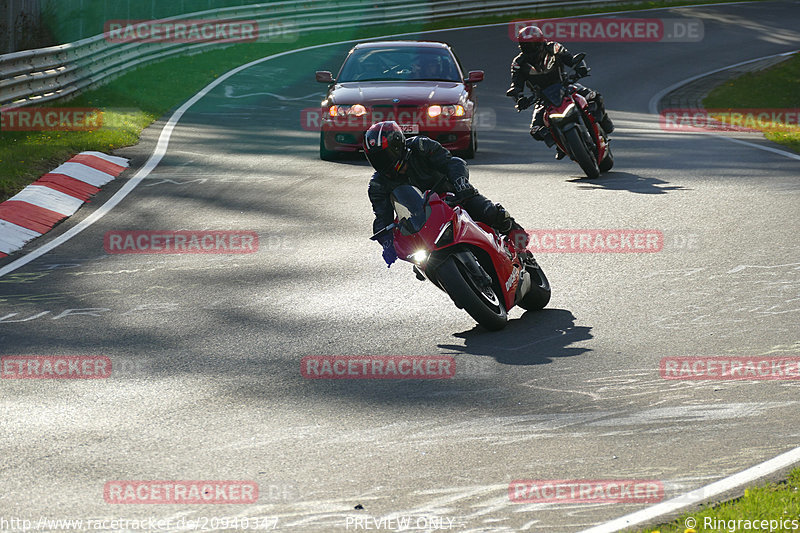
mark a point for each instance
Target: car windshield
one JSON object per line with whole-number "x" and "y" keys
{"x": 401, "y": 64}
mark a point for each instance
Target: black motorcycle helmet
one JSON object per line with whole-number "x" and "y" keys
{"x": 385, "y": 147}
{"x": 531, "y": 41}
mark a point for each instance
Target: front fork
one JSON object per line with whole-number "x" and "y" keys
{"x": 558, "y": 133}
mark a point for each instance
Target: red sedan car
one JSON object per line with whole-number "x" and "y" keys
{"x": 418, "y": 84}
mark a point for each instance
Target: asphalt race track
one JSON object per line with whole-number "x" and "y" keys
{"x": 206, "y": 349}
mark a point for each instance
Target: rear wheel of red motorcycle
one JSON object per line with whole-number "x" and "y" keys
{"x": 581, "y": 153}
{"x": 539, "y": 295}
{"x": 484, "y": 305}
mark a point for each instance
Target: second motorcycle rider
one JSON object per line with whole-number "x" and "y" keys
{"x": 539, "y": 65}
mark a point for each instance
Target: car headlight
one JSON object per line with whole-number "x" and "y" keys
{"x": 355, "y": 110}
{"x": 456, "y": 110}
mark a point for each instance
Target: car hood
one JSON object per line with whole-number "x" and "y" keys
{"x": 408, "y": 93}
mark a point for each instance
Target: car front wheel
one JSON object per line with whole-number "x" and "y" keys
{"x": 324, "y": 153}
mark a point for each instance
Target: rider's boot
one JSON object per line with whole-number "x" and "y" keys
{"x": 606, "y": 124}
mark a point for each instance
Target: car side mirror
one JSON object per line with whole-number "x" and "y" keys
{"x": 324, "y": 76}
{"x": 474, "y": 76}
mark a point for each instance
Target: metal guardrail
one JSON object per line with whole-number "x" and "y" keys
{"x": 35, "y": 76}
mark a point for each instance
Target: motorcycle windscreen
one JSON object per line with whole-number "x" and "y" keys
{"x": 554, "y": 93}
{"x": 411, "y": 207}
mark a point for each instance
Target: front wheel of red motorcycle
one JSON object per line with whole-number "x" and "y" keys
{"x": 484, "y": 305}
{"x": 581, "y": 153}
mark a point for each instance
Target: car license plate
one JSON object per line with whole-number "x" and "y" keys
{"x": 410, "y": 128}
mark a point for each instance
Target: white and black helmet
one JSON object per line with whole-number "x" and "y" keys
{"x": 385, "y": 147}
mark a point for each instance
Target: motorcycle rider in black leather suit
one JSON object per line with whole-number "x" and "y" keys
{"x": 425, "y": 164}
{"x": 539, "y": 65}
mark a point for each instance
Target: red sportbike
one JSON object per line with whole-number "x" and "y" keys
{"x": 478, "y": 268}
{"x": 574, "y": 128}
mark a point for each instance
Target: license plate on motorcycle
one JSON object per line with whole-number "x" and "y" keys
{"x": 410, "y": 128}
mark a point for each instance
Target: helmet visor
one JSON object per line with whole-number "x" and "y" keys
{"x": 531, "y": 48}
{"x": 382, "y": 160}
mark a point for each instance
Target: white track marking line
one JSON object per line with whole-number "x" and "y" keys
{"x": 699, "y": 495}
{"x": 766, "y": 148}
{"x": 653, "y": 105}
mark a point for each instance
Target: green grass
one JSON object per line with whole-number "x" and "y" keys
{"x": 775, "y": 88}
{"x": 773, "y": 501}
{"x": 136, "y": 99}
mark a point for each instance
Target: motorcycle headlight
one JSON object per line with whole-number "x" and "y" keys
{"x": 419, "y": 257}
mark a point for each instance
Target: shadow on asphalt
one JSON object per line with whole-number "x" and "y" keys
{"x": 536, "y": 338}
{"x": 626, "y": 181}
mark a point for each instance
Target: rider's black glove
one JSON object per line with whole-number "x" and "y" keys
{"x": 582, "y": 70}
{"x": 463, "y": 191}
{"x": 454, "y": 199}
{"x": 524, "y": 102}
